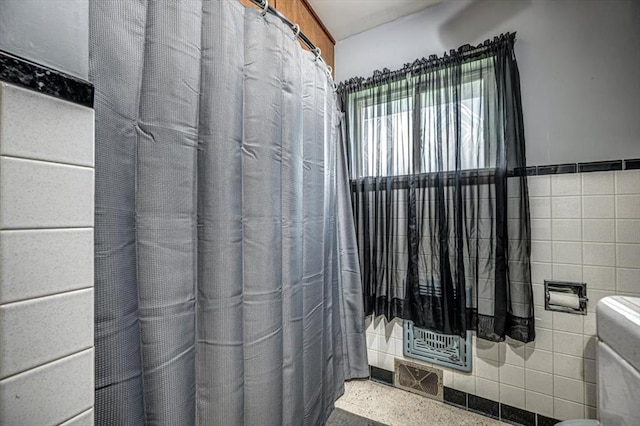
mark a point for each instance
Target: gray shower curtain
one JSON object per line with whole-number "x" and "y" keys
{"x": 227, "y": 281}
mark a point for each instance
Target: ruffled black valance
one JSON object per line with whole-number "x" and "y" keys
{"x": 463, "y": 53}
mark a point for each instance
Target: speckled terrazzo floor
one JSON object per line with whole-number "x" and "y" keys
{"x": 396, "y": 407}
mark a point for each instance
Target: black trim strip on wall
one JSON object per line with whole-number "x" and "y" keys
{"x": 494, "y": 409}
{"x": 39, "y": 78}
{"x": 476, "y": 404}
{"x": 484, "y": 176}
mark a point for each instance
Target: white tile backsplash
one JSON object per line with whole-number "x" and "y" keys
{"x": 538, "y": 381}
{"x": 465, "y": 382}
{"x": 628, "y": 206}
{"x": 49, "y": 394}
{"x": 568, "y": 343}
{"x": 487, "y": 369}
{"x": 628, "y": 182}
{"x": 539, "y": 186}
{"x": 566, "y": 184}
{"x": 571, "y": 323}
{"x": 539, "y": 360}
{"x": 598, "y": 207}
{"x": 539, "y": 403}
{"x": 599, "y": 230}
{"x": 36, "y": 263}
{"x": 599, "y": 277}
{"x": 512, "y": 375}
{"x": 512, "y": 395}
{"x": 628, "y": 255}
{"x": 541, "y": 251}
{"x": 82, "y": 419}
{"x": 628, "y": 280}
{"x": 28, "y": 118}
{"x": 569, "y": 389}
{"x": 566, "y": 229}
{"x": 562, "y": 272}
{"x": 597, "y": 183}
{"x": 566, "y": 208}
{"x": 541, "y": 229}
{"x": 540, "y": 207}
{"x": 46, "y": 274}
{"x": 567, "y": 252}
{"x": 488, "y": 389}
{"x": 568, "y": 366}
{"x": 565, "y": 410}
{"x": 36, "y": 194}
{"x": 628, "y": 231}
{"x": 41, "y": 330}
{"x": 582, "y": 231}
{"x": 599, "y": 254}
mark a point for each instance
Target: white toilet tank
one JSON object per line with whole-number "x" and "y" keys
{"x": 618, "y": 322}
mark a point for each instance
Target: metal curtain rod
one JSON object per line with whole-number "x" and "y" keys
{"x": 264, "y": 4}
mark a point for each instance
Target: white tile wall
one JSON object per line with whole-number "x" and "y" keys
{"x": 36, "y": 331}
{"x": 49, "y": 394}
{"x": 585, "y": 228}
{"x": 38, "y": 194}
{"x": 46, "y": 259}
{"x": 35, "y": 263}
{"x": 29, "y": 119}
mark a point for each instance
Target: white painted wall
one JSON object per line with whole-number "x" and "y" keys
{"x": 579, "y": 66}
{"x": 54, "y": 33}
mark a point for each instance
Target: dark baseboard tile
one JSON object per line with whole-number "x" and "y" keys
{"x": 454, "y": 397}
{"x": 484, "y": 406}
{"x": 517, "y": 416}
{"x": 381, "y": 375}
{"x": 494, "y": 409}
{"x": 557, "y": 169}
{"x": 632, "y": 164}
{"x": 593, "y": 166}
{"x": 600, "y": 166}
{"x": 546, "y": 421}
{"x": 39, "y": 78}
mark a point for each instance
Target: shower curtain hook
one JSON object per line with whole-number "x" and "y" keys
{"x": 296, "y": 29}
{"x": 266, "y": 7}
{"x": 317, "y": 52}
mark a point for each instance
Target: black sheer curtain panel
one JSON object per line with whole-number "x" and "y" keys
{"x": 439, "y": 192}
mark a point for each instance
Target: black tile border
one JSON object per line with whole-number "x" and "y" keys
{"x": 381, "y": 375}
{"x": 517, "y": 415}
{"x": 486, "y": 176}
{"x": 454, "y": 397}
{"x": 483, "y": 406}
{"x": 546, "y": 421}
{"x": 592, "y": 166}
{"x": 476, "y": 404}
{"x": 632, "y": 164}
{"x": 600, "y": 166}
{"x": 557, "y": 169}
{"x": 45, "y": 80}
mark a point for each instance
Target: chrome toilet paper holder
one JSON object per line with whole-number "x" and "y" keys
{"x": 565, "y": 287}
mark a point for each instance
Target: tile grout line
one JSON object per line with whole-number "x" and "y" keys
{"x": 51, "y": 162}
{"x": 12, "y": 376}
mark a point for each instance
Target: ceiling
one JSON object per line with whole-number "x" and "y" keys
{"x": 344, "y": 18}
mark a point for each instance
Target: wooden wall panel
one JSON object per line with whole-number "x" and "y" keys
{"x": 301, "y": 13}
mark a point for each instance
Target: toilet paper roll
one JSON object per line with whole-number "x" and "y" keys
{"x": 568, "y": 300}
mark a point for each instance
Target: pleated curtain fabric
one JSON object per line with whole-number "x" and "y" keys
{"x": 227, "y": 281}
{"x": 439, "y": 187}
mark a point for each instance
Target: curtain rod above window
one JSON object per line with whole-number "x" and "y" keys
{"x": 464, "y": 52}
{"x": 264, "y": 4}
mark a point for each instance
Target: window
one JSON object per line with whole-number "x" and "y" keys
{"x": 403, "y": 133}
